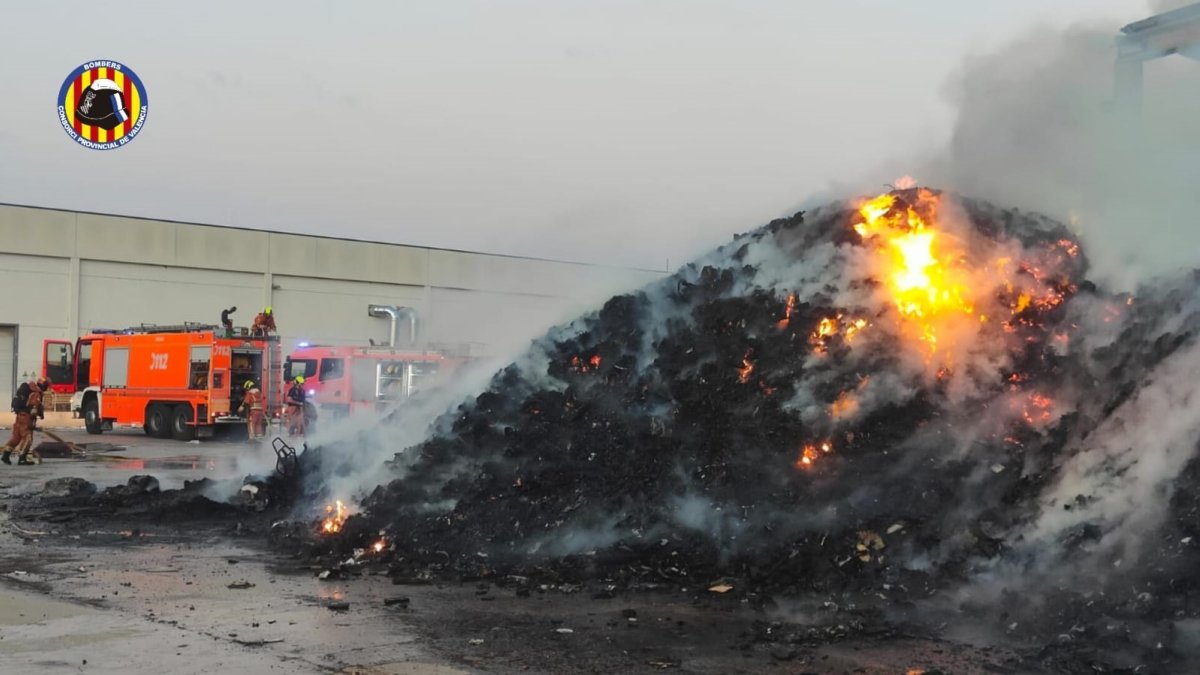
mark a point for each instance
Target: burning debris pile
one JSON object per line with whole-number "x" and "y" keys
{"x": 891, "y": 368}
{"x": 917, "y": 396}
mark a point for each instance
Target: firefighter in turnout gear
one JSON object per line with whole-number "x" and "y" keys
{"x": 264, "y": 323}
{"x": 28, "y": 406}
{"x": 226, "y": 322}
{"x": 252, "y": 408}
{"x": 295, "y": 401}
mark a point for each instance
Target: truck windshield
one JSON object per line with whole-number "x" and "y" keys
{"x": 300, "y": 368}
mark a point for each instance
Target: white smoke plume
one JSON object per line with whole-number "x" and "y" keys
{"x": 1126, "y": 469}
{"x": 1037, "y": 129}
{"x": 360, "y": 446}
{"x": 1038, "y": 125}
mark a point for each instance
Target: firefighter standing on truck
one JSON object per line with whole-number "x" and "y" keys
{"x": 226, "y": 322}
{"x": 295, "y": 407}
{"x": 264, "y": 323}
{"x": 26, "y": 404}
{"x": 252, "y": 407}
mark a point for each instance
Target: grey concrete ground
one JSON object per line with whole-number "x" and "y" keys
{"x": 97, "y": 602}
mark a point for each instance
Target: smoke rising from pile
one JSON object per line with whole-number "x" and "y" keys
{"x": 845, "y": 330}
{"x": 788, "y": 388}
{"x": 1038, "y": 126}
{"x": 362, "y": 444}
{"x": 914, "y": 372}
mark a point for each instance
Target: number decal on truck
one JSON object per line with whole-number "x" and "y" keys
{"x": 158, "y": 361}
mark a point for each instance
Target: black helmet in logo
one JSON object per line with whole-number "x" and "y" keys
{"x": 102, "y": 105}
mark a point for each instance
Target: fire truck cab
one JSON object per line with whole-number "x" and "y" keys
{"x": 175, "y": 381}
{"x": 348, "y": 380}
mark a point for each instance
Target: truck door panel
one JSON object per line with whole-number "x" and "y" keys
{"x": 57, "y": 365}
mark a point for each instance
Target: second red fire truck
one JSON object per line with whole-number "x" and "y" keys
{"x": 347, "y": 380}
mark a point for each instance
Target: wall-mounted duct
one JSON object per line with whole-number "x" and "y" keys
{"x": 395, "y": 313}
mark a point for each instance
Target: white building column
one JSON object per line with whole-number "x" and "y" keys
{"x": 73, "y": 327}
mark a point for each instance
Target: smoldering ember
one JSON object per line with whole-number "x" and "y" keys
{"x": 908, "y": 416}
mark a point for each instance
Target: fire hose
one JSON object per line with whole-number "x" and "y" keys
{"x": 75, "y": 449}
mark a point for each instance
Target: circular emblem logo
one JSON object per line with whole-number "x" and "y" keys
{"x": 102, "y": 105}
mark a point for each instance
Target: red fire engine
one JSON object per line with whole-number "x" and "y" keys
{"x": 175, "y": 381}
{"x": 345, "y": 380}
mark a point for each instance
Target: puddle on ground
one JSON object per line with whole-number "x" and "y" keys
{"x": 193, "y": 462}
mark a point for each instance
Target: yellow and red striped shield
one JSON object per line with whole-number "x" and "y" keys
{"x": 127, "y": 102}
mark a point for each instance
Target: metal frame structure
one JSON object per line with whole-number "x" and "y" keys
{"x": 1173, "y": 32}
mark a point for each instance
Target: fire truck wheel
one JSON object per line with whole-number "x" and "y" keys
{"x": 158, "y": 421}
{"x": 181, "y": 423}
{"x": 91, "y": 417}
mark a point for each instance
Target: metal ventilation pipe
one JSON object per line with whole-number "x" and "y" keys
{"x": 395, "y": 313}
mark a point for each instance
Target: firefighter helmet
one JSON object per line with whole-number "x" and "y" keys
{"x": 248, "y": 385}
{"x": 267, "y": 311}
{"x": 102, "y": 105}
{"x": 299, "y": 379}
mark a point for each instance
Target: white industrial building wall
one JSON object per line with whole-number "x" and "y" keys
{"x": 503, "y": 321}
{"x": 120, "y": 295}
{"x": 66, "y": 273}
{"x": 334, "y": 311}
{"x": 35, "y": 288}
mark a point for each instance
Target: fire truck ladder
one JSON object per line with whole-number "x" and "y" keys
{"x": 185, "y": 327}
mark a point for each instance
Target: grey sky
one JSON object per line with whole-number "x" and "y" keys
{"x": 621, "y": 132}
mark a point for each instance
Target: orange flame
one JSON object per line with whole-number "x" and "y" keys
{"x": 834, "y": 325}
{"x": 582, "y": 366}
{"x": 1071, "y": 248}
{"x": 934, "y": 283}
{"x": 811, "y": 452}
{"x": 746, "y": 369}
{"x": 1022, "y": 303}
{"x": 1038, "y": 409}
{"x": 379, "y": 546}
{"x": 846, "y": 404}
{"x": 807, "y": 456}
{"x": 923, "y": 267}
{"x": 336, "y": 516}
{"x": 827, "y": 327}
{"x": 854, "y": 327}
{"x": 787, "y": 315}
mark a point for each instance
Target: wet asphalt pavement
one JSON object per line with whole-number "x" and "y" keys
{"x": 103, "y": 601}
{"x": 172, "y": 462}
